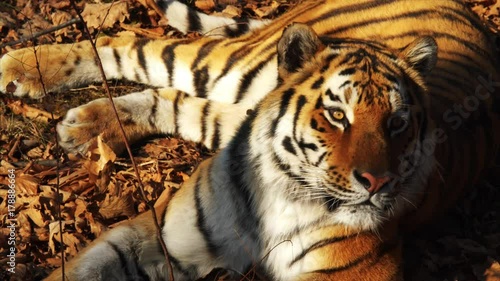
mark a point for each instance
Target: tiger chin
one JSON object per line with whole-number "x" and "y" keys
{"x": 282, "y": 193}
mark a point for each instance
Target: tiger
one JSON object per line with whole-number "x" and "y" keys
{"x": 339, "y": 125}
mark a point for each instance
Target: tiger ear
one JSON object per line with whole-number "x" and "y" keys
{"x": 297, "y": 45}
{"x": 421, "y": 54}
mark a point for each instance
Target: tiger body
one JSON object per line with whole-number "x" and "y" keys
{"x": 313, "y": 176}
{"x": 290, "y": 250}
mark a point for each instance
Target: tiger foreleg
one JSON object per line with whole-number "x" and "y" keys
{"x": 163, "y": 111}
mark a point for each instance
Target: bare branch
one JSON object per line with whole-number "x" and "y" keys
{"x": 43, "y": 32}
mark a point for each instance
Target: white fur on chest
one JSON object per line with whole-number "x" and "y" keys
{"x": 285, "y": 226}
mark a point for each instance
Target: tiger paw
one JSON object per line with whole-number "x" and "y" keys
{"x": 79, "y": 129}
{"x": 81, "y": 125}
{"x": 39, "y": 70}
{"x": 18, "y": 74}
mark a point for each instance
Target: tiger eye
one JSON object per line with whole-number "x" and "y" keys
{"x": 338, "y": 115}
{"x": 397, "y": 124}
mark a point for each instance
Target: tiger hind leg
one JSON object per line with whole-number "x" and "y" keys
{"x": 128, "y": 252}
{"x": 42, "y": 69}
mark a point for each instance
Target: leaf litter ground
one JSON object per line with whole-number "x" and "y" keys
{"x": 100, "y": 191}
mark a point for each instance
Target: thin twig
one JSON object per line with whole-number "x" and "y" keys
{"x": 27, "y": 168}
{"x": 41, "y": 162}
{"x": 56, "y": 156}
{"x": 14, "y": 148}
{"x": 127, "y": 146}
{"x": 254, "y": 267}
{"x": 38, "y": 34}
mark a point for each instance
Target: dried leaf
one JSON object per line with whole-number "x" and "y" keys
{"x": 60, "y": 17}
{"x": 54, "y": 229}
{"x": 5, "y": 167}
{"x": 71, "y": 177}
{"x": 106, "y": 154}
{"x": 114, "y": 206}
{"x": 80, "y": 213}
{"x": 96, "y": 227}
{"x": 35, "y": 216}
{"x": 41, "y": 234}
{"x": 232, "y": 11}
{"x": 36, "y": 24}
{"x": 24, "y": 227}
{"x": 105, "y": 15}
{"x": 24, "y": 183}
{"x": 28, "y": 10}
{"x": 18, "y": 107}
{"x": 6, "y": 21}
{"x": 153, "y": 33}
{"x": 59, "y": 4}
{"x": 34, "y": 153}
{"x": 205, "y": 5}
{"x": 266, "y": 11}
{"x": 73, "y": 243}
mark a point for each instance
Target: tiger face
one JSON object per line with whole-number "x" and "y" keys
{"x": 357, "y": 114}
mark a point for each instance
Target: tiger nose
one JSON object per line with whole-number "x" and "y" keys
{"x": 371, "y": 182}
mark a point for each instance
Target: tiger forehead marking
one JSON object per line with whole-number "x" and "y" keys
{"x": 362, "y": 83}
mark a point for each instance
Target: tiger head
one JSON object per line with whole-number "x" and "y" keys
{"x": 347, "y": 120}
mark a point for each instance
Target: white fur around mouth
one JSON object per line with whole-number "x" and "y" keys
{"x": 361, "y": 216}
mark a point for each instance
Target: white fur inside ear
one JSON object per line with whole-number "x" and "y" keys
{"x": 421, "y": 54}
{"x": 297, "y": 45}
